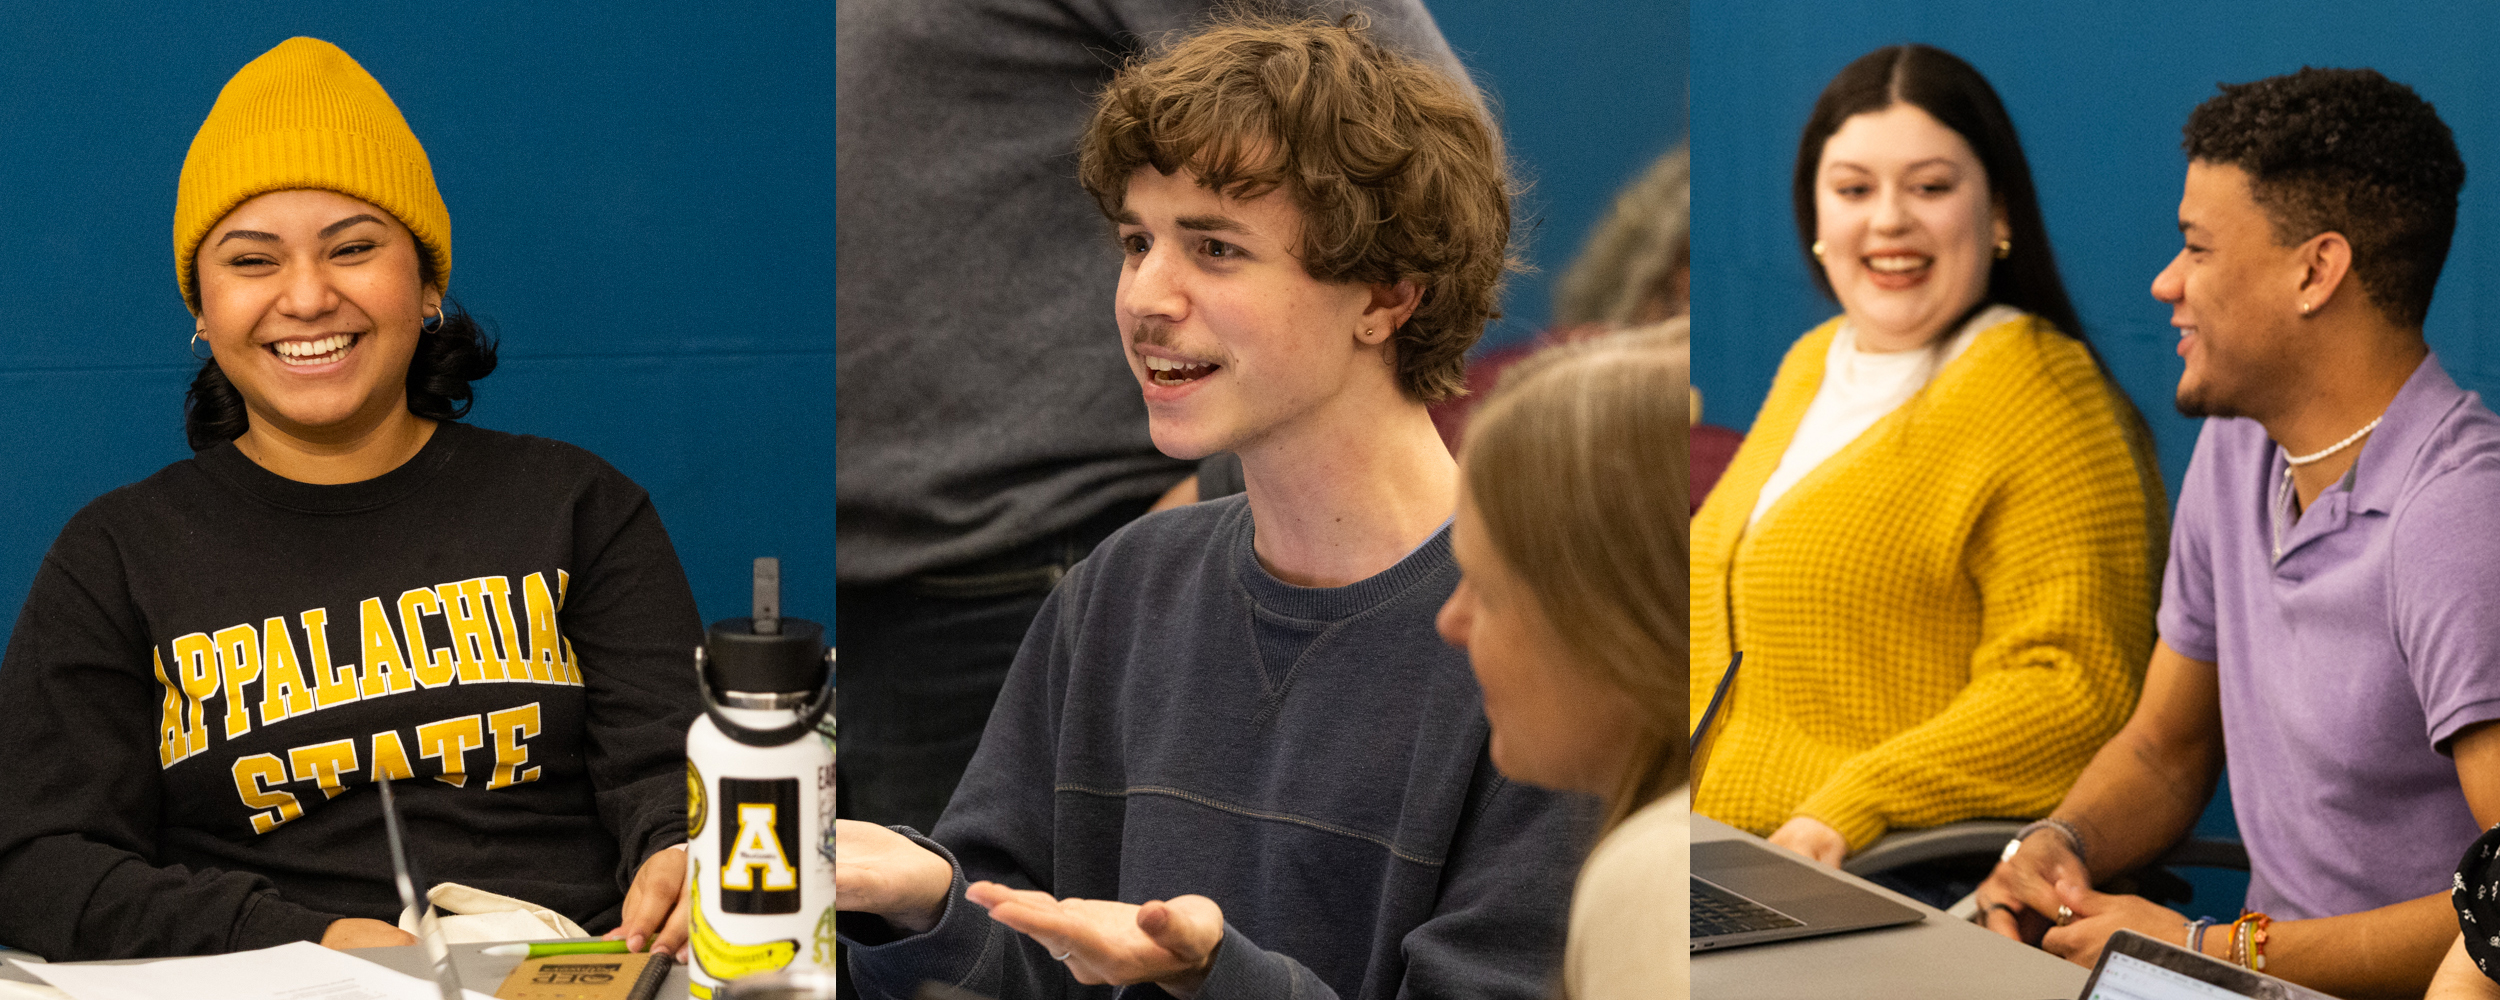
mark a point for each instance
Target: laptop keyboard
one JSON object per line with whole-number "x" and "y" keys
{"x": 1717, "y": 911}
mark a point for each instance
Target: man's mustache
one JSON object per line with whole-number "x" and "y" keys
{"x": 1152, "y": 333}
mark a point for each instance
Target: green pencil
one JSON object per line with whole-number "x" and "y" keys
{"x": 542, "y": 949}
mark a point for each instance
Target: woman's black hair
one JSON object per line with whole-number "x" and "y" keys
{"x": 1941, "y": 84}
{"x": 454, "y": 354}
{"x": 1950, "y": 90}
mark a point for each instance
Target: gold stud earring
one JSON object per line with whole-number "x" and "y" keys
{"x": 2005, "y": 248}
{"x": 1817, "y": 249}
{"x": 2304, "y": 308}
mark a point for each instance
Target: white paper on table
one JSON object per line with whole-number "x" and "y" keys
{"x": 299, "y": 970}
{"x": 11, "y": 989}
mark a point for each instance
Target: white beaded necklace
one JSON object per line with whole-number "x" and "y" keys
{"x": 2300, "y": 460}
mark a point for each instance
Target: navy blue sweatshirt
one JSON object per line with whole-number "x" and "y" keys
{"x": 1312, "y": 759}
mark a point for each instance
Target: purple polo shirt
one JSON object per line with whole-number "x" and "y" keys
{"x": 2348, "y": 660}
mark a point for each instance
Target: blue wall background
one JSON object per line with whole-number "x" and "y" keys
{"x": 639, "y": 204}
{"x": 2099, "y": 93}
{"x": 1589, "y": 93}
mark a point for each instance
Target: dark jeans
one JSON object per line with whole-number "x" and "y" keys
{"x": 921, "y": 663}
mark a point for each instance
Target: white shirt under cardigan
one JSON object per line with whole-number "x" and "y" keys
{"x": 1860, "y": 388}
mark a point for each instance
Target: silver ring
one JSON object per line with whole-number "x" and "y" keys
{"x": 2064, "y": 915}
{"x": 1062, "y": 956}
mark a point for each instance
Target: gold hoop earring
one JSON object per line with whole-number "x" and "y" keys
{"x": 2005, "y": 248}
{"x": 1816, "y": 249}
{"x": 194, "y": 347}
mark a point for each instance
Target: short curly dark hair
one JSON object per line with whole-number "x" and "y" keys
{"x": 1399, "y": 174}
{"x": 2346, "y": 151}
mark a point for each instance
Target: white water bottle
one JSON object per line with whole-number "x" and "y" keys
{"x": 759, "y": 794}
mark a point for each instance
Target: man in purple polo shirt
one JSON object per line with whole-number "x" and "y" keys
{"x": 2328, "y": 618}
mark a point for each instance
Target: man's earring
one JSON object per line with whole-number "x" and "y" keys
{"x": 1817, "y": 249}
{"x": 195, "y": 349}
{"x": 2005, "y": 248}
{"x": 2305, "y": 307}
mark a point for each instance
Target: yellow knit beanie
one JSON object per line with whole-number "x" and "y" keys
{"x": 305, "y": 115}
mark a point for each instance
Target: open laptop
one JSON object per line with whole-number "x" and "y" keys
{"x": 2135, "y": 967}
{"x": 1745, "y": 893}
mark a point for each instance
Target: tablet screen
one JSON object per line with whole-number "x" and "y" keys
{"x": 2125, "y": 977}
{"x": 2135, "y": 967}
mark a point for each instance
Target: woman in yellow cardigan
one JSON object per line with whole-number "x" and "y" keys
{"x": 1940, "y": 544}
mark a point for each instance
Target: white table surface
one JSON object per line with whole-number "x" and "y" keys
{"x": 479, "y": 972}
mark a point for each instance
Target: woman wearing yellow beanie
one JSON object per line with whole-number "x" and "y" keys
{"x": 216, "y": 663}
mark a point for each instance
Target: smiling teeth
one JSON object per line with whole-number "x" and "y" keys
{"x": 1169, "y": 372}
{"x": 314, "y": 352}
{"x": 1895, "y": 264}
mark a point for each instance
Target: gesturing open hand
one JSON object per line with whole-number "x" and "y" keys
{"x": 1169, "y": 943}
{"x": 876, "y": 870}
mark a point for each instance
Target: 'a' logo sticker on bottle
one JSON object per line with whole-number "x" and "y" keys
{"x": 759, "y": 831}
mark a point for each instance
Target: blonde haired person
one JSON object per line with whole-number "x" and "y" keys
{"x": 1938, "y": 546}
{"x": 1571, "y": 537}
{"x": 215, "y": 664}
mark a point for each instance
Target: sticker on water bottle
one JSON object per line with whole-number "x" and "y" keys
{"x": 695, "y": 807}
{"x": 759, "y": 828}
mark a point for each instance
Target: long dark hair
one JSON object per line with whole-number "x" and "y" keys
{"x": 448, "y": 358}
{"x": 1941, "y": 84}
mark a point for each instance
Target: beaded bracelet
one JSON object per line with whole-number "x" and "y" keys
{"x": 2248, "y": 940}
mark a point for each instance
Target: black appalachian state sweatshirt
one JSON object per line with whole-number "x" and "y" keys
{"x": 214, "y": 663}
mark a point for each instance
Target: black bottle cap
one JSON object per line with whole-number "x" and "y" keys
{"x": 788, "y": 661}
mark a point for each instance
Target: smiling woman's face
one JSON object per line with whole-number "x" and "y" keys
{"x": 1908, "y": 225}
{"x": 311, "y": 301}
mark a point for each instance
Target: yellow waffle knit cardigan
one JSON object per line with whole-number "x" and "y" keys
{"x": 1945, "y": 619}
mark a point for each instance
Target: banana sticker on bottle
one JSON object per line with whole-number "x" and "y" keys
{"x": 725, "y": 961}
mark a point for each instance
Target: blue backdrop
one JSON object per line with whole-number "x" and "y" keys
{"x": 640, "y": 207}
{"x": 639, "y": 204}
{"x": 1589, "y": 93}
{"x": 2099, "y": 93}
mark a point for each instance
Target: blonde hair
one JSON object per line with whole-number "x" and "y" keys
{"x": 1577, "y": 466}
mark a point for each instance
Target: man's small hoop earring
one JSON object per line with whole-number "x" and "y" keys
{"x": 436, "y": 323}
{"x": 195, "y": 350}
